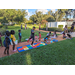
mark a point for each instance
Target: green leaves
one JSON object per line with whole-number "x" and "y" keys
{"x": 11, "y": 15}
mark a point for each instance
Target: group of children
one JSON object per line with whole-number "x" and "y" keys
{"x": 54, "y": 35}
{"x": 10, "y": 37}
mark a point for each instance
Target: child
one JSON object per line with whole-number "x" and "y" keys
{"x": 0, "y": 39}
{"x": 39, "y": 36}
{"x": 19, "y": 34}
{"x": 69, "y": 36}
{"x": 7, "y": 42}
{"x": 36, "y": 38}
{"x": 47, "y": 36}
{"x": 54, "y": 35}
{"x": 32, "y": 36}
{"x": 64, "y": 36}
{"x": 13, "y": 39}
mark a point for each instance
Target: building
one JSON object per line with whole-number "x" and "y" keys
{"x": 56, "y": 24}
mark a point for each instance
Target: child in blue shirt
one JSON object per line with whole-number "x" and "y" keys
{"x": 20, "y": 36}
{"x": 7, "y": 42}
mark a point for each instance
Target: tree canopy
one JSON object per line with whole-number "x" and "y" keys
{"x": 12, "y": 15}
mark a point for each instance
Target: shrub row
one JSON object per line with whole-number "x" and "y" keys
{"x": 2, "y": 30}
{"x": 52, "y": 29}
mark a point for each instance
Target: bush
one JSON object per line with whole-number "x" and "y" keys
{"x": 60, "y": 26}
{"x": 1, "y": 26}
{"x": 2, "y": 30}
{"x": 52, "y": 29}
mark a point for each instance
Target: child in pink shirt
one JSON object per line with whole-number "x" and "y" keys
{"x": 36, "y": 38}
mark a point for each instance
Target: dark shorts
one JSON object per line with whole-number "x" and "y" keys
{"x": 32, "y": 37}
{"x": 0, "y": 40}
{"x": 19, "y": 37}
{"x": 72, "y": 27}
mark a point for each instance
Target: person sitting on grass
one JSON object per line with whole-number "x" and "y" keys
{"x": 7, "y": 42}
{"x": 20, "y": 36}
{"x": 54, "y": 35}
{"x": 48, "y": 35}
{"x": 1, "y": 39}
{"x": 36, "y": 38}
{"x": 13, "y": 39}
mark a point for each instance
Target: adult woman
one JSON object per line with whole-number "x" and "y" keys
{"x": 65, "y": 29}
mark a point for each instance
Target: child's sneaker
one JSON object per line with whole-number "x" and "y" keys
{"x": 28, "y": 40}
{"x": 14, "y": 50}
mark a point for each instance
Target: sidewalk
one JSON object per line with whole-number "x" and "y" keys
{"x": 46, "y": 31}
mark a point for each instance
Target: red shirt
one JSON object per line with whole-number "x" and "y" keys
{"x": 39, "y": 35}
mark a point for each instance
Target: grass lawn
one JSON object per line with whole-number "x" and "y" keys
{"x": 59, "y": 53}
{"x": 25, "y": 33}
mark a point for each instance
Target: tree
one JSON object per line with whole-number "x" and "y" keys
{"x": 33, "y": 18}
{"x": 20, "y": 16}
{"x": 12, "y": 15}
{"x": 61, "y": 13}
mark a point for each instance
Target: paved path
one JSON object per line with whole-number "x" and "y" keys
{"x": 47, "y": 31}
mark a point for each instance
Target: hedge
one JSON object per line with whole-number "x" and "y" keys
{"x": 2, "y": 30}
{"x": 1, "y": 26}
{"x": 60, "y": 26}
{"x": 52, "y": 29}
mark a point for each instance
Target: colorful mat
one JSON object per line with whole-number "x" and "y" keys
{"x": 28, "y": 47}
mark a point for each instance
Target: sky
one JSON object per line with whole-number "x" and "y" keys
{"x": 44, "y": 11}
{"x": 32, "y": 11}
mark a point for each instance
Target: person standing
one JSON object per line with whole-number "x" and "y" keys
{"x": 39, "y": 26}
{"x": 21, "y": 26}
{"x": 72, "y": 28}
{"x": 32, "y": 36}
{"x": 66, "y": 30}
{"x": 25, "y": 26}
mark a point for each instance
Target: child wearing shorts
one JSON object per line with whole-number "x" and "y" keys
{"x": 13, "y": 39}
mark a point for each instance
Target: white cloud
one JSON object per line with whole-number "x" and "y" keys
{"x": 28, "y": 12}
{"x": 53, "y": 10}
{"x": 44, "y": 11}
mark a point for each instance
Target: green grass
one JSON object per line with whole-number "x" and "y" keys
{"x": 25, "y": 33}
{"x": 59, "y": 53}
